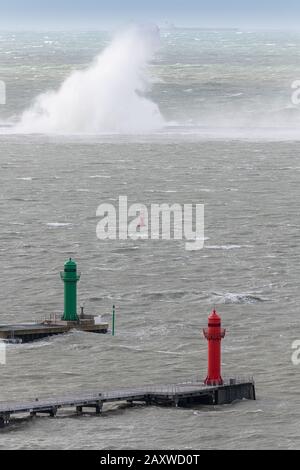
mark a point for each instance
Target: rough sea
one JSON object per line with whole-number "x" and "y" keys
{"x": 231, "y": 141}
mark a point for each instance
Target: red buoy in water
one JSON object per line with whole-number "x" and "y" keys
{"x": 214, "y": 333}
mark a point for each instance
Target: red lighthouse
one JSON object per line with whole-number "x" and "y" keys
{"x": 214, "y": 333}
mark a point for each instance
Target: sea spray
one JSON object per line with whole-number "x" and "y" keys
{"x": 107, "y": 97}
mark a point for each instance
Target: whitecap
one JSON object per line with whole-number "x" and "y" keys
{"x": 236, "y": 298}
{"x": 57, "y": 224}
{"x": 223, "y": 247}
{"x": 100, "y": 176}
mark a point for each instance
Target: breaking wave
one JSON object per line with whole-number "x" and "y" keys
{"x": 107, "y": 97}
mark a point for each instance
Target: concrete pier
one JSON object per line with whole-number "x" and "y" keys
{"x": 27, "y": 332}
{"x": 185, "y": 394}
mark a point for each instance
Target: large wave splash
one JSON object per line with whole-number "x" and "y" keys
{"x": 107, "y": 97}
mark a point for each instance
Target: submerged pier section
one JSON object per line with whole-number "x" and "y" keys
{"x": 186, "y": 394}
{"x": 28, "y": 332}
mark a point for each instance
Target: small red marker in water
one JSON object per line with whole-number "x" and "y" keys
{"x": 142, "y": 221}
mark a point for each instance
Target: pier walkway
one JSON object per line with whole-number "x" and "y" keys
{"x": 185, "y": 394}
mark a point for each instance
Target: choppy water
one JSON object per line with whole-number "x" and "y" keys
{"x": 249, "y": 268}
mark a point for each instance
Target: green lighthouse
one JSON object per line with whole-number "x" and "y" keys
{"x": 70, "y": 278}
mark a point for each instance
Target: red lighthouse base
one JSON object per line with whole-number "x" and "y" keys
{"x": 210, "y": 381}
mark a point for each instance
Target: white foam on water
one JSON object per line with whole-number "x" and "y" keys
{"x": 223, "y": 247}
{"x": 57, "y": 224}
{"x": 100, "y": 176}
{"x": 236, "y": 298}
